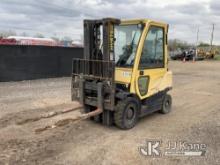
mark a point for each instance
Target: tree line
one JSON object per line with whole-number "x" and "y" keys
{"x": 176, "y": 44}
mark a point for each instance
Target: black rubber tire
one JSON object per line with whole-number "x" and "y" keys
{"x": 167, "y": 104}
{"x": 121, "y": 112}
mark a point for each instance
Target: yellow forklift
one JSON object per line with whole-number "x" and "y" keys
{"x": 124, "y": 73}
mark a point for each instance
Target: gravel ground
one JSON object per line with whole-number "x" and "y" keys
{"x": 194, "y": 119}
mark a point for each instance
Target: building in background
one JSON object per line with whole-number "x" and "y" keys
{"x": 77, "y": 43}
{"x": 5, "y": 41}
{"x": 34, "y": 41}
{"x": 19, "y": 40}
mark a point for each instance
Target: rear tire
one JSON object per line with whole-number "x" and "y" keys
{"x": 126, "y": 113}
{"x": 167, "y": 104}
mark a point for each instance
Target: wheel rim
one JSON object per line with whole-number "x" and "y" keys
{"x": 167, "y": 104}
{"x": 130, "y": 112}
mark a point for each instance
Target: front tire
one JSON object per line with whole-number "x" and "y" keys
{"x": 126, "y": 113}
{"x": 167, "y": 104}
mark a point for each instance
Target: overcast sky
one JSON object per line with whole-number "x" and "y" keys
{"x": 64, "y": 17}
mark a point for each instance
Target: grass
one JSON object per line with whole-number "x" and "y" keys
{"x": 217, "y": 57}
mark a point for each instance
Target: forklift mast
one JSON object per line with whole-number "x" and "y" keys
{"x": 93, "y": 76}
{"x": 99, "y": 39}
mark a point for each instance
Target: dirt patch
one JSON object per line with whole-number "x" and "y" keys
{"x": 195, "y": 118}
